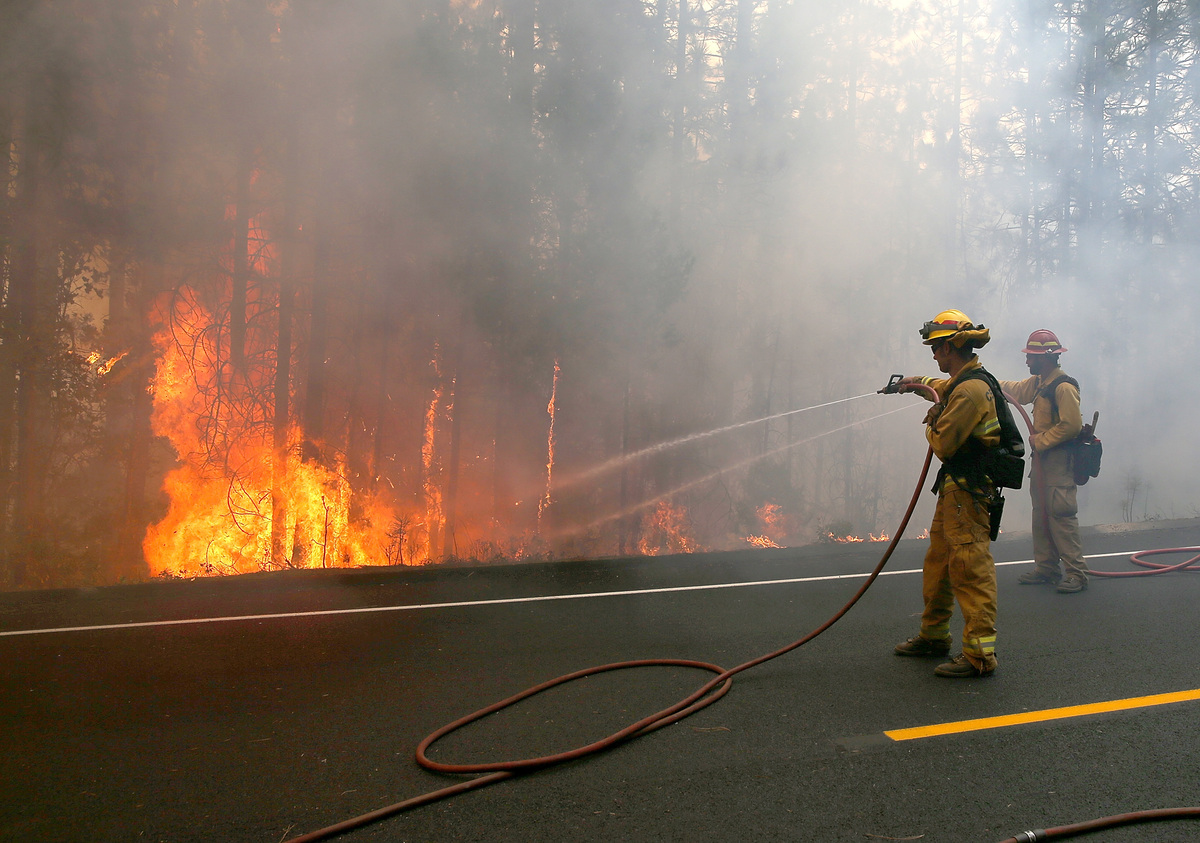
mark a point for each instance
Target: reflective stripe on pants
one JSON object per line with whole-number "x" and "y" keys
{"x": 959, "y": 566}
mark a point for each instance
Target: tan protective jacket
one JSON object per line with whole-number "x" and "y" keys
{"x": 971, "y": 411}
{"x": 1048, "y": 433}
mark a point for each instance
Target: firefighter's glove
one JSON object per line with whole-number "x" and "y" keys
{"x": 932, "y": 416}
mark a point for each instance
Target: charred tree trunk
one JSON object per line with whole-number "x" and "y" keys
{"x": 679, "y": 124}
{"x": 314, "y": 394}
{"x": 239, "y": 272}
{"x": 521, "y": 42}
{"x": 382, "y": 383}
{"x": 32, "y": 300}
{"x": 623, "y": 522}
{"x": 8, "y": 366}
{"x": 282, "y": 416}
{"x": 131, "y": 290}
{"x": 363, "y": 347}
{"x": 454, "y": 466}
{"x": 313, "y": 414}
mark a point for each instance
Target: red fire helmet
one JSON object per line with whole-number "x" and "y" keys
{"x": 1042, "y": 341}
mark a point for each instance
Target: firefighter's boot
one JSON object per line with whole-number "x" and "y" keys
{"x": 919, "y": 645}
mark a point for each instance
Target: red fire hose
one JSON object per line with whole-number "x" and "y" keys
{"x": 1065, "y": 831}
{"x": 703, "y": 696}
{"x": 1137, "y": 558}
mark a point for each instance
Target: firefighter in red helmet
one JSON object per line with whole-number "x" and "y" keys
{"x": 1056, "y": 423}
{"x": 958, "y": 564}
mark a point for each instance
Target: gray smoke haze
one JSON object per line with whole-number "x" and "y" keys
{"x": 454, "y": 198}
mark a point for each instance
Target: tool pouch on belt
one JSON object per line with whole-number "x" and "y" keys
{"x": 995, "y": 513}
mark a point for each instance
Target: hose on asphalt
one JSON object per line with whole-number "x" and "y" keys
{"x": 1133, "y": 817}
{"x": 705, "y": 695}
{"x": 1065, "y": 831}
{"x": 1139, "y": 558}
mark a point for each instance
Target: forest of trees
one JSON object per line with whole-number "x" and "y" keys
{"x": 306, "y": 283}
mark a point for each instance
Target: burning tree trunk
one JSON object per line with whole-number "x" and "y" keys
{"x": 131, "y": 290}
{"x": 552, "y": 411}
{"x": 431, "y": 469}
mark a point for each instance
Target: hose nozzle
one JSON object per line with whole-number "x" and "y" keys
{"x": 893, "y": 385}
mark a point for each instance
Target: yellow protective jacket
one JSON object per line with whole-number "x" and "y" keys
{"x": 970, "y": 412}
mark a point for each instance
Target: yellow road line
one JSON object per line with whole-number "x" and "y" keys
{"x": 1039, "y": 716}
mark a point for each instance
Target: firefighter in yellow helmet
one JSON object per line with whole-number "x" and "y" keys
{"x": 1056, "y": 422}
{"x": 961, "y": 428}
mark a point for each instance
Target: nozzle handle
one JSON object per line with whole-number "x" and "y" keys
{"x": 893, "y": 385}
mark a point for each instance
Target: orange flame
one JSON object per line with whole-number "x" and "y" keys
{"x": 666, "y": 530}
{"x": 775, "y": 526}
{"x": 226, "y": 491}
{"x": 219, "y": 519}
{"x": 761, "y": 541}
{"x": 103, "y": 367}
{"x": 771, "y": 514}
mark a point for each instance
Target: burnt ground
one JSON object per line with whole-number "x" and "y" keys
{"x": 257, "y": 728}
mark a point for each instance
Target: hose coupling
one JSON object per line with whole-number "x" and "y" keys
{"x": 1031, "y": 836}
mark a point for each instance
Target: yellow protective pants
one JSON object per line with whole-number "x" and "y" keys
{"x": 959, "y": 566}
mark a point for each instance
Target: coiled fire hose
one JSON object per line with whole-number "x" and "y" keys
{"x": 704, "y": 696}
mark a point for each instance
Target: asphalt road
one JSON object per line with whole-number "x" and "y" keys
{"x": 263, "y": 707}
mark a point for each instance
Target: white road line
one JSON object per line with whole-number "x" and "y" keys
{"x": 503, "y": 601}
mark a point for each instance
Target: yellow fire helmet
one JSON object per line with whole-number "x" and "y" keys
{"x": 957, "y": 328}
